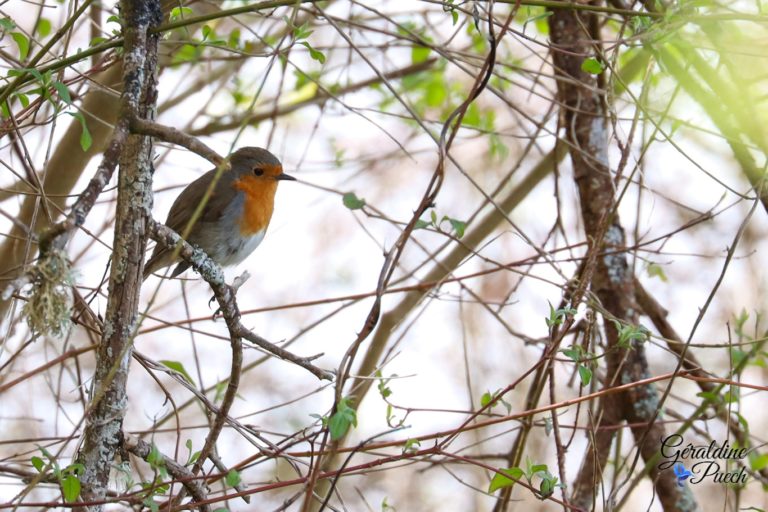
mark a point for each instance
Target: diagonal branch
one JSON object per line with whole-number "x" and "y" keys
{"x": 225, "y": 296}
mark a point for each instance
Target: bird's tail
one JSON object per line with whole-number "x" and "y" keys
{"x": 159, "y": 260}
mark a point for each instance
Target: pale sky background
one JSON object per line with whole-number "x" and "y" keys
{"x": 316, "y": 248}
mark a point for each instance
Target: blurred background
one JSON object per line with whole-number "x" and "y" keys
{"x": 352, "y": 97}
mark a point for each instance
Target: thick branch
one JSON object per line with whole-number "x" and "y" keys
{"x": 103, "y": 432}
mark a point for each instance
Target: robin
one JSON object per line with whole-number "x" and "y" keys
{"x": 235, "y": 218}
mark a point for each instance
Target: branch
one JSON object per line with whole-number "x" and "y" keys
{"x": 212, "y": 274}
{"x": 323, "y": 94}
{"x": 225, "y": 296}
{"x": 575, "y": 36}
{"x": 58, "y": 235}
{"x": 102, "y": 435}
{"x": 178, "y": 471}
{"x": 174, "y": 136}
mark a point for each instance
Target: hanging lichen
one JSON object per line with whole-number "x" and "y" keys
{"x": 49, "y": 307}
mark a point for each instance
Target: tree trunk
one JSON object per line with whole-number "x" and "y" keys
{"x": 103, "y": 431}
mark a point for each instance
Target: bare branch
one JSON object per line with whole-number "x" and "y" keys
{"x": 192, "y": 483}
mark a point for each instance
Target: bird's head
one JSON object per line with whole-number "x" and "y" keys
{"x": 257, "y": 166}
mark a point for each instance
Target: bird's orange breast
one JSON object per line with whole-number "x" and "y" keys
{"x": 259, "y": 203}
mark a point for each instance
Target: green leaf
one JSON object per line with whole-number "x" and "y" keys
{"x": 574, "y": 352}
{"x": 629, "y": 333}
{"x": 455, "y": 16}
{"x": 315, "y": 54}
{"x": 23, "y": 43}
{"x": 70, "y": 488}
{"x": 496, "y": 148}
{"x": 384, "y": 390}
{"x": 486, "y": 399}
{"x": 192, "y": 457}
{"x": 301, "y": 32}
{"x": 641, "y": 23}
{"x": 221, "y": 509}
{"x": 85, "y": 137}
{"x": 221, "y": 388}
{"x": 710, "y": 396}
{"x": 323, "y": 419}
{"x": 233, "y": 478}
{"x": 187, "y": 53}
{"x": 553, "y": 318}
{"x": 178, "y": 367}
{"x": 43, "y": 27}
{"x": 655, "y": 270}
{"x": 505, "y": 478}
{"x": 22, "y": 71}
{"x": 180, "y": 13}
{"x": 739, "y": 322}
{"x": 547, "y": 486}
{"x": 38, "y": 463}
{"x": 458, "y": 227}
{"x": 411, "y": 445}
{"x": 472, "y": 116}
{"x": 421, "y": 224}
{"x": 75, "y": 468}
{"x": 154, "y": 457}
{"x": 585, "y": 374}
{"x": 7, "y": 24}
{"x": 419, "y": 54}
{"x": 592, "y": 66}
{"x": 342, "y": 419}
{"x": 48, "y": 455}
{"x": 352, "y": 202}
{"x": 63, "y": 92}
{"x": 233, "y": 41}
{"x": 758, "y": 461}
{"x": 23, "y": 99}
{"x": 540, "y": 21}
{"x": 738, "y": 356}
{"x": 151, "y": 504}
{"x": 436, "y": 93}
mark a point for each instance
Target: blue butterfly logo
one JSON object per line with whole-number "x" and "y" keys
{"x": 681, "y": 473}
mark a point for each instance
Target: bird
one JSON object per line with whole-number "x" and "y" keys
{"x": 235, "y": 217}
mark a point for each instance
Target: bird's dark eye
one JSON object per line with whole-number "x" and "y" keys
{"x": 258, "y": 171}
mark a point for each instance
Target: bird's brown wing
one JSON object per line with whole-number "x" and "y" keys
{"x": 185, "y": 205}
{"x": 181, "y": 212}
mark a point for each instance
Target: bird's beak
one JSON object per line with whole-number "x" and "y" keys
{"x": 284, "y": 176}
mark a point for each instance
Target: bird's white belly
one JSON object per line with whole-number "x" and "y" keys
{"x": 237, "y": 253}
